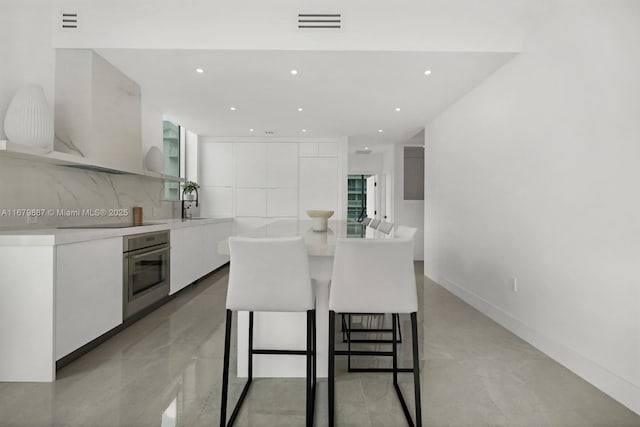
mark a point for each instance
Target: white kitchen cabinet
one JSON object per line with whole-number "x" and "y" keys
{"x": 282, "y": 165}
{"x": 186, "y": 256}
{"x": 282, "y": 202}
{"x": 251, "y": 202}
{"x": 328, "y": 149}
{"x": 88, "y": 292}
{"x": 308, "y": 149}
{"x": 214, "y": 233}
{"x": 194, "y": 252}
{"x": 177, "y": 272}
{"x": 318, "y": 184}
{"x": 216, "y": 202}
{"x": 251, "y": 165}
{"x": 215, "y": 164}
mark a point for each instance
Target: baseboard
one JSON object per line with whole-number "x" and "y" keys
{"x": 613, "y": 385}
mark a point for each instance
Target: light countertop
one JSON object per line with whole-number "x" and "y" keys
{"x": 61, "y": 236}
{"x": 318, "y": 243}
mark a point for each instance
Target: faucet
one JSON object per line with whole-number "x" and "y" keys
{"x": 184, "y": 209}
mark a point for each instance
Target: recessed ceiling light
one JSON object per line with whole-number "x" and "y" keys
{"x": 304, "y": 130}
{"x": 299, "y": 108}
{"x": 380, "y": 130}
{"x": 251, "y": 130}
{"x": 366, "y": 148}
{"x": 397, "y": 108}
{"x": 294, "y": 72}
{"x": 232, "y": 108}
{"x": 199, "y": 70}
{"x": 427, "y": 72}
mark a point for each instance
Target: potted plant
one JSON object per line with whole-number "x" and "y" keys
{"x": 188, "y": 187}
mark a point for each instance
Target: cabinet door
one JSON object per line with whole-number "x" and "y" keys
{"x": 308, "y": 149}
{"x": 88, "y": 292}
{"x": 216, "y": 202}
{"x": 193, "y": 258}
{"x": 318, "y": 184}
{"x": 215, "y": 164}
{"x": 178, "y": 274}
{"x": 282, "y": 202}
{"x": 215, "y": 233}
{"x": 282, "y": 165}
{"x": 251, "y": 165}
{"x": 251, "y": 202}
{"x": 328, "y": 149}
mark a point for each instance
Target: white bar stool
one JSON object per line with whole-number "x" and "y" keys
{"x": 375, "y": 276}
{"x": 269, "y": 275}
{"x": 405, "y": 232}
{"x": 385, "y": 227}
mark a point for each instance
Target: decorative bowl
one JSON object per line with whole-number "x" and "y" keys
{"x": 319, "y": 218}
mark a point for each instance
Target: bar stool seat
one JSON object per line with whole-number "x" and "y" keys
{"x": 375, "y": 276}
{"x": 374, "y": 223}
{"x": 269, "y": 275}
{"x": 385, "y": 227}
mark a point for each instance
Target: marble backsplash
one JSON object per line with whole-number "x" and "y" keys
{"x": 68, "y": 196}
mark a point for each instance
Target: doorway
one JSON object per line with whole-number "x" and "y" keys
{"x": 361, "y": 197}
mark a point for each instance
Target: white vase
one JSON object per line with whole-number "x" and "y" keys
{"x": 154, "y": 161}
{"x": 29, "y": 120}
{"x": 319, "y": 224}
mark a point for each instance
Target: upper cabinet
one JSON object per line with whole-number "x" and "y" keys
{"x": 315, "y": 149}
{"x": 282, "y": 165}
{"x": 251, "y": 165}
{"x": 97, "y": 111}
{"x": 216, "y": 164}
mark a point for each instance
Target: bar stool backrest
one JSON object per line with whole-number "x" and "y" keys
{"x": 404, "y": 232}
{"x": 374, "y": 223}
{"x": 269, "y": 274}
{"x": 366, "y": 221}
{"x": 373, "y": 276}
{"x": 385, "y": 227}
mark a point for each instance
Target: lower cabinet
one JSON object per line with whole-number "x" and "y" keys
{"x": 88, "y": 292}
{"x": 194, "y": 252}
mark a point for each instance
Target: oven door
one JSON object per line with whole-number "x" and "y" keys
{"x": 146, "y": 277}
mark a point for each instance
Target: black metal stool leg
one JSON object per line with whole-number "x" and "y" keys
{"x": 416, "y": 368}
{"x": 331, "y": 373}
{"x": 225, "y": 373}
{"x": 225, "y": 370}
{"x": 315, "y": 355}
{"x": 309, "y": 415}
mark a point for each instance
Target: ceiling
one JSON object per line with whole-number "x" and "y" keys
{"x": 352, "y": 94}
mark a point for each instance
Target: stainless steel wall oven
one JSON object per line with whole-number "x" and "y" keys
{"x": 146, "y": 270}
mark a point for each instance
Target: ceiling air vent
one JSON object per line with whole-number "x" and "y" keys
{"x": 315, "y": 20}
{"x": 70, "y": 21}
{"x": 363, "y": 151}
{"x": 269, "y": 132}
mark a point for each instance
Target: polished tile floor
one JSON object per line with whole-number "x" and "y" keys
{"x": 165, "y": 371}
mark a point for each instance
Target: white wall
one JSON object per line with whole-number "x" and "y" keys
{"x": 407, "y": 212}
{"x": 26, "y": 54}
{"x": 534, "y": 175}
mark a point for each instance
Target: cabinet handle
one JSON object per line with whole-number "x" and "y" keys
{"x": 149, "y": 253}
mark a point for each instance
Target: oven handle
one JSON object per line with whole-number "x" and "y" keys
{"x": 150, "y": 253}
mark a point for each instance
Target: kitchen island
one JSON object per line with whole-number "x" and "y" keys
{"x": 288, "y": 330}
